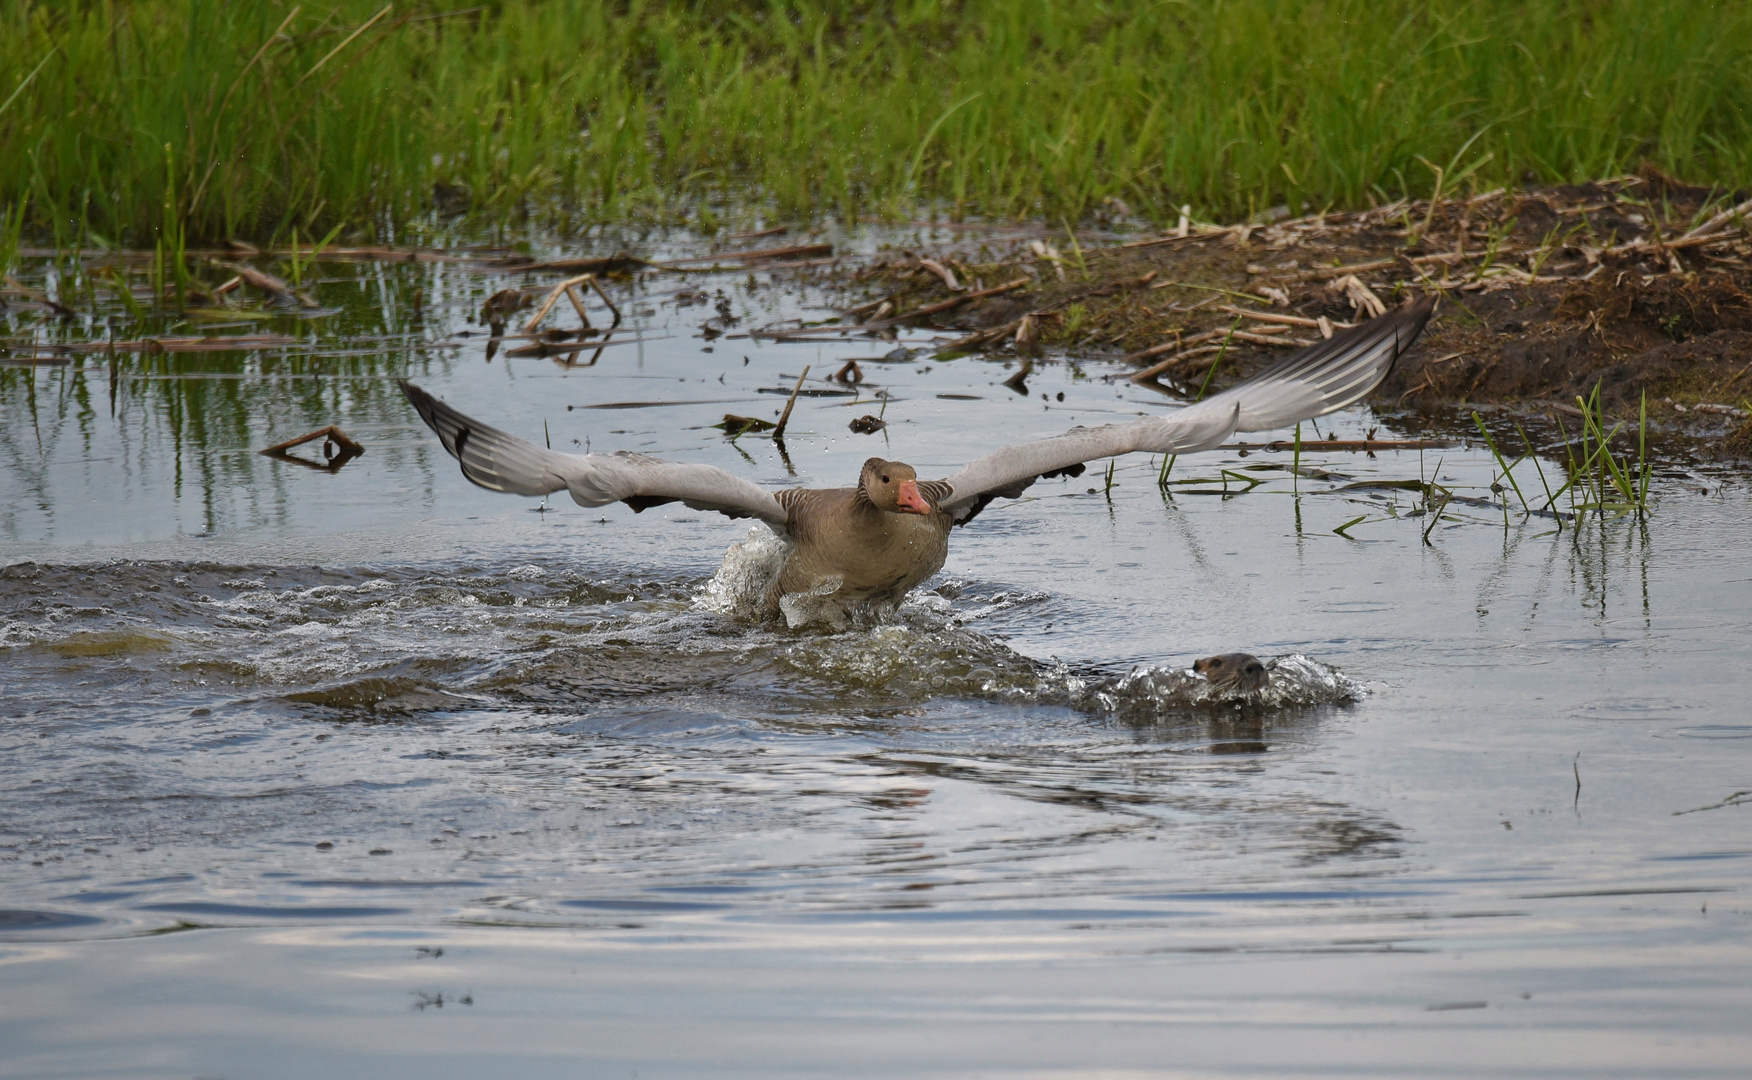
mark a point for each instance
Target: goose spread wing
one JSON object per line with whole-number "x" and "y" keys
{"x": 499, "y": 461}
{"x": 1313, "y": 382}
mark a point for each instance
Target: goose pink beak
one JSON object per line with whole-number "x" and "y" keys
{"x": 910, "y": 501}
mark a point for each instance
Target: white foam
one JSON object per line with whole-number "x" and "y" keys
{"x": 739, "y": 588}
{"x": 1296, "y": 681}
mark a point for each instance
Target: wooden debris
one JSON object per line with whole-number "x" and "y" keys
{"x": 337, "y": 448}
{"x": 569, "y": 289}
{"x": 1361, "y": 296}
{"x": 16, "y": 288}
{"x": 618, "y": 263}
{"x": 1151, "y": 373}
{"x": 1348, "y": 445}
{"x": 800, "y": 251}
{"x": 1322, "y": 324}
{"x": 502, "y": 303}
{"x": 851, "y": 374}
{"x": 863, "y": 309}
{"x": 980, "y": 338}
{"x": 790, "y": 402}
{"x": 1176, "y": 345}
{"x": 186, "y": 344}
{"x": 867, "y": 424}
{"x": 268, "y": 283}
{"x": 943, "y": 272}
{"x": 1205, "y": 232}
{"x": 1266, "y": 339}
{"x": 945, "y": 305}
{"x": 734, "y": 425}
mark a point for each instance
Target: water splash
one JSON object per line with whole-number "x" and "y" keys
{"x": 373, "y": 641}
{"x": 750, "y": 568}
{"x": 923, "y": 649}
{"x": 1146, "y": 693}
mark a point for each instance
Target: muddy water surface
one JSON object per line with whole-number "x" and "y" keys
{"x": 366, "y": 771}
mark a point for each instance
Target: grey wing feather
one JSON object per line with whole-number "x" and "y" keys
{"x": 499, "y": 461}
{"x": 1315, "y": 381}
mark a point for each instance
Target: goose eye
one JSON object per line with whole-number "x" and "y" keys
{"x": 885, "y": 479}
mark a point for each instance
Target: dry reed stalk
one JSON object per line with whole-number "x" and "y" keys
{"x": 1206, "y": 232}
{"x": 945, "y": 305}
{"x": 944, "y": 273}
{"x": 332, "y": 432}
{"x": 1150, "y": 373}
{"x": 186, "y": 344}
{"x": 1266, "y": 339}
{"x": 609, "y": 264}
{"x": 800, "y": 251}
{"x": 1172, "y": 346}
{"x": 368, "y": 24}
{"x": 1361, "y": 296}
{"x": 567, "y": 288}
{"x": 871, "y": 306}
{"x": 267, "y": 283}
{"x": 1287, "y": 320}
{"x": 981, "y": 338}
{"x": 790, "y": 403}
{"x": 1718, "y": 221}
{"x": 1348, "y": 445}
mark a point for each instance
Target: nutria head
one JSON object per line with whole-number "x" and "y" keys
{"x": 892, "y": 486}
{"x": 1239, "y": 672}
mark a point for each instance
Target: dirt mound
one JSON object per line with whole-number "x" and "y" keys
{"x": 1684, "y": 337}
{"x": 1640, "y": 285}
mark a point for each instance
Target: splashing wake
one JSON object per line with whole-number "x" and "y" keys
{"x": 921, "y": 648}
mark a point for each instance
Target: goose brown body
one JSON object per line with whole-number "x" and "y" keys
{"x": 879, "y": 539}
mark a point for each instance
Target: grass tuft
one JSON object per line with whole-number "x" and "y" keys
{"x": 265, "y": 117}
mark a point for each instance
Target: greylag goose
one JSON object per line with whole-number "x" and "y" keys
{"x": 891, "y": 532}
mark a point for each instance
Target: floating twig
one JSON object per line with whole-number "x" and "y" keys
{"x": 800, "y": 251}
{"x": 337, "y": 449}
{"x": 568, "y": 288}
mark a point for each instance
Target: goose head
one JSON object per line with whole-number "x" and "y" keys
{"x": 893, "y": 486}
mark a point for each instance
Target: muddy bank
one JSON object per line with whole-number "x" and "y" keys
{"x": 1638, "y": 285}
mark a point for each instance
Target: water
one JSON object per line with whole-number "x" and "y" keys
{"x": 370, "y": 772}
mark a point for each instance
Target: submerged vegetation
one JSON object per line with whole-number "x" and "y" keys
{"x": 163, "y": 121}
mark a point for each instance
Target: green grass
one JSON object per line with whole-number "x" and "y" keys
{"x": 128, "y": 121}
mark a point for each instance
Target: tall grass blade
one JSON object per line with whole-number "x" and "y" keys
{"x": 1507, "y": 471}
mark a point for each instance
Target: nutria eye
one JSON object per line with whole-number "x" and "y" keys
{"x": 885, "y": 479}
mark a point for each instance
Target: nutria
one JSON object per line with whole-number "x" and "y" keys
{"x": 1239, "y": 672}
